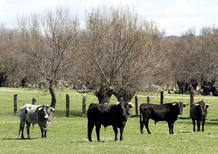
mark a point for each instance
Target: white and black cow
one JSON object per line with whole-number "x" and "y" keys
{"x": 165, "y": 112}
{"x": 41, "y": 114}
{"x": 107, "y": 114}
{"x": 198, "y": 112}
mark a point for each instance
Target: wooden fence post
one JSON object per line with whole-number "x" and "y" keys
{"x": 84, "y": 106}
{"x": 33, "y": 101}
{"x": 161, "y": 97}
{"x": 191, "y": 97}
{"x": 67, "y": 105}
{"x": 148, "y": 99}
{"x": 15, "y": 104}
{"x": 136, "y": 105}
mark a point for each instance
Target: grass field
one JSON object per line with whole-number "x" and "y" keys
{"x": 69, "y": 135}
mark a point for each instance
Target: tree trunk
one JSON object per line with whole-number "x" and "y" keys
{"x": 181, "y": 86}
{"x": 207, "y": 87}
{"x": 124, "y": 94}
{"x": 3, "y": 79}
{"x": 53, "y": 96}
{"x": 104, "y": 95}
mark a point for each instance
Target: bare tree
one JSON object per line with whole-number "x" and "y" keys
{"x": 10, "y": 57}
{"x": 120, "y": 53}
{"x": 193, "y": 60}
{"x": 48, "y": 43}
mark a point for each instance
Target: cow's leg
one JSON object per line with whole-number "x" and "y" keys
{"x": 121, "y": 133}
{"x": 42, "y": 132}
{"x": 193, "y": 121}
{"x": 170, "y": 125}
{"x": 115, "y": 132}
{"x": 97, "y": 128}
{"x": 90, "y": 128}
{"x": 198, "y": 125}
{"x": 45, "y": 133}
{"x": 28, "y": 129}
{"x": 172, "y": 128}
{"x": 146, "y": 121}
{"x": 22, "y": 124}
{"x": 203, "y": 122}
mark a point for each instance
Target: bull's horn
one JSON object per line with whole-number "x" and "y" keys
{"x": 40, "y": 108}
{"x": 117, "y": 103}
{"x": 130, "y": 105}
{"x": 196, "y": 104}
{"x": 174, "y": 104}
{"x": 52, "y": 109}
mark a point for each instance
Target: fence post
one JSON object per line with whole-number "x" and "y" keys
{"x": 136, "y": 105}
{"x": 33, "y": 101}
{"x": 84, "y": 106}
{"x": 148, "y": 99}
{"x": 191, "y": 97}
{"x": 15, "y": 104}
{"x": 67, "y": 105}
{"x": 161, "y": 97}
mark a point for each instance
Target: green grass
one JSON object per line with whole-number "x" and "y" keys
{"x": 69, "y": 135}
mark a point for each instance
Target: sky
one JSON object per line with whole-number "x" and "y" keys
{"x": 172, "y": 16}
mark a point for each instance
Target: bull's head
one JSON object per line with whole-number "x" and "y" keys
{"x": 46, "y": 111}
{"x": 180, "y": 106}
{"x": 203, "y": 107}
{"x": 126, "y": 106}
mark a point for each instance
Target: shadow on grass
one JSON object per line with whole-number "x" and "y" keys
{"x": 17, "y": 139}
{"x": 73, "y": 113}
{"x": 207, "y": 122}
{"x": 134, "y": 116}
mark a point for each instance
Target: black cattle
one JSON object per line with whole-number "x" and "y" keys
{"x": 198, "y": 112}
{"x": 107, "y": 114}
{"x": 165, "y": 112}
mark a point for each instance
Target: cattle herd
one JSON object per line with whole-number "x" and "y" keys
{"x": 115, "y": 115}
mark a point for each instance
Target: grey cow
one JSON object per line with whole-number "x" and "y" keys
{"x": 41, "y": 114}
{"x": 198, "y": 112}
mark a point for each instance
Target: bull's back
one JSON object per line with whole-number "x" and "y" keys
{"x": 102, "y": 113}
{"x": 155, "y": 111}
{"x": 28, "y": 112}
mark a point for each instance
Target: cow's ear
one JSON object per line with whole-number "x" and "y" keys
{"x": 184, "y": 105}
{"x": 207, "y": 105}
{"x": 40, "y": 108}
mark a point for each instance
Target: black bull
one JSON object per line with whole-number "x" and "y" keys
{"x": 166, "y": 112}
{"x": 107, "y": 114}
{"x": 198, "y": 112}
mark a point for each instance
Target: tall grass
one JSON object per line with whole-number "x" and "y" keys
{"x": 69, "y": 135}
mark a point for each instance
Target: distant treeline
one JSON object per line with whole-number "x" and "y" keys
{"x": 115, "y": 52}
